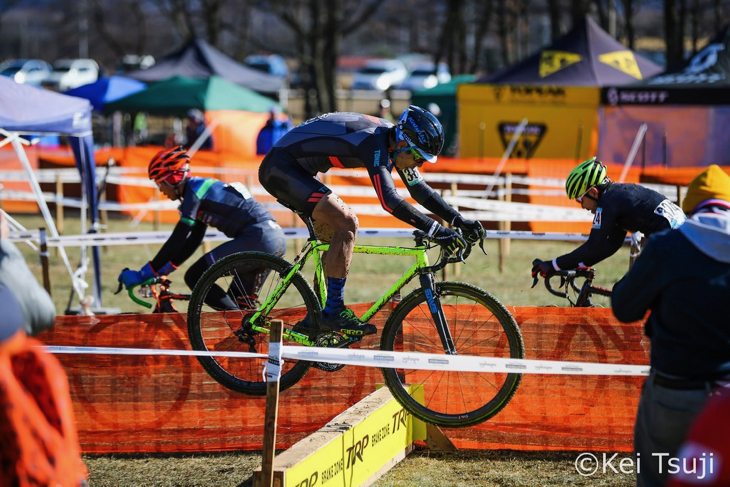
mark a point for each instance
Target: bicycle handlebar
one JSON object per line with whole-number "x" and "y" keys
{"x": 133, "y": 297}
{"x": 421, "y": 238}
{"x": 566, "y": 277}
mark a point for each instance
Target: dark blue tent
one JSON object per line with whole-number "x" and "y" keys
{"x": 26, "y": 109}
{"x": 585, "y": 56}
{"x": 198, "y": 59}
{"x": 108, "y": 89}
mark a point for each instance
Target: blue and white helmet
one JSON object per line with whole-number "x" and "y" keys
{"x": 422, "y": 130}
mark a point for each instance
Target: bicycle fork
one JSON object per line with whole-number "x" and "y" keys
{"x": 437, "y": 312}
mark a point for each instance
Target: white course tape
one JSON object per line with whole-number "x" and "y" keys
{"x": 155, "y": 237}
{"x": 272, "y": 372}
{"x": 401, "y": 360}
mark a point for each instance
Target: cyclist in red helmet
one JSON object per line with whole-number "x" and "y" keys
{"x": 207, "y": 202}
{"x": 353, "y": 140}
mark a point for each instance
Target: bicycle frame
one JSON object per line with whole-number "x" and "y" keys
{"x": 314, "y": 248}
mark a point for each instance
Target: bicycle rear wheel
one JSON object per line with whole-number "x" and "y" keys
{"x": 212, "y": 327}
{"x": 480, "y": 325}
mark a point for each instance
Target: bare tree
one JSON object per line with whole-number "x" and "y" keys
{"x": 717, "y": 14}
{"x": 319, "y": 26}
{"x": 182, "y": 14}
{"x": 121, "y": 41}
{"x": 554, "y": 12}
{"x": 578, "y": 11}
{"x": 629, "y": 22}
{"x": 673, "y": 31}
{"x": 452, "y": 40}
{"x": 484, "y": 16}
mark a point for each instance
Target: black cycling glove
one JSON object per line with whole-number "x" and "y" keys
{"x": 473, "y": 230}
{"x": 450, "y": 240}
{"x": 542, "y": 267}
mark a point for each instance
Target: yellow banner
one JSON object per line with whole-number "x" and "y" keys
{"x": 561, "y": 122}
{"x": 361, "y": 451}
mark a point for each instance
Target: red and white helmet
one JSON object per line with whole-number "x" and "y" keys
{"x": 171, "y": 165}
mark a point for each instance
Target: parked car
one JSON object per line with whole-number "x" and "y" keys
{"x": 28, "y": 71}
{"x": 72, "y": 73}
{"x": 132, "y": 62}
{"x": 379, "y": 74}
{"x": 271, "y": 63}
{"x": 424, "y": 75}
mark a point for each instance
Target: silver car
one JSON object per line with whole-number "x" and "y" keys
{"x": 379, "y": 74}
{"x": 28, "y": 71}
{"x": 426, "y": 75}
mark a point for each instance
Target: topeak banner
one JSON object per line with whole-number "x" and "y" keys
{"x": 561, "y": 121}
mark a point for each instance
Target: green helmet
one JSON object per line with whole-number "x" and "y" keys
{"x": 588, "y": 173}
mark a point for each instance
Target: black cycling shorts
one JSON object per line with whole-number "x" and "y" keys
{"x": 285, "y": 179}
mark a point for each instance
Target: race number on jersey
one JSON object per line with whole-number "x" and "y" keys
{"x": 597, "y": 218}
{"x": 241, "y": 189}
{"x": 411, "y": 176}
{"x": 671, "y": 212}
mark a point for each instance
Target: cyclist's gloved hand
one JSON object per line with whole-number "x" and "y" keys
{"x": 473, "y": 230}
{"x": 450, "y": 240}
{"x": 542, "y": 267}
{"x": 130, "y": 278}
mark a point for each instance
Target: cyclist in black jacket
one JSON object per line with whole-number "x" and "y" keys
{"x": 208, "y": 202}
{"x": 618, "y": 209}
{"x": 353, "y": 140}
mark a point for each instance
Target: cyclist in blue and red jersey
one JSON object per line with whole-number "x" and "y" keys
{"x": 618, "y": 208}
{"x": 353, "y": 140}
{"x": 208, "y": 202}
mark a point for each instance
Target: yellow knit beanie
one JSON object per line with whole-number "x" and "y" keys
{"x": 712, "y": 183}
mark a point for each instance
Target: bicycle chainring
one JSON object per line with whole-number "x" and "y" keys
{"x": 330, "y": 340}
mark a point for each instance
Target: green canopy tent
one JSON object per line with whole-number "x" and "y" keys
{"x": 444, "y": 95}
{"x": 175, "y": 96}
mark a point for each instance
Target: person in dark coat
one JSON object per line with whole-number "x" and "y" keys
{"x": 683, "y": 278}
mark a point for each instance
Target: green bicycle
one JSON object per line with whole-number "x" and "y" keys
{"x": 438, "y": 317}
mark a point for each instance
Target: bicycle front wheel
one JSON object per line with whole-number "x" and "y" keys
{"x": 219, "y": 318}
{"x": 480, "y": 325}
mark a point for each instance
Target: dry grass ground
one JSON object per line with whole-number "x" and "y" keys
{"x": 466, "y": 468}
{"x": 499, "y": 468}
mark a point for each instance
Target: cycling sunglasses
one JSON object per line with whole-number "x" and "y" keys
{"x": 416, "y": 156}
{"x": 579, "y": 199}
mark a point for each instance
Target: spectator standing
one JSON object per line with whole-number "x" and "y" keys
{"x": 683, "y": 277}
{"x": 276, "y": 126}
{"x": 38, "y": 310}
{"x": 38, "y": 440}
{"x": 196, "y": 126}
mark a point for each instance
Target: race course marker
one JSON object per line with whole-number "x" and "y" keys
{"x": 354, "y": 449}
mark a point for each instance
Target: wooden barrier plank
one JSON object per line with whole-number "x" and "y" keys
{"x": 354, "y": 449}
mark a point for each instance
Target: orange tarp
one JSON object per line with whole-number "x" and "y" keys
{"x": 9, "y": 162}
{"x": 169, "y": 404}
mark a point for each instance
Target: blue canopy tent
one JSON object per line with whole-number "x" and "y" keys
{"x": 28, "y": 110}
{"x": 108, "y": 89}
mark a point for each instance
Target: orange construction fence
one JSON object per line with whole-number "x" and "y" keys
{"x": 126, "y": 404}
